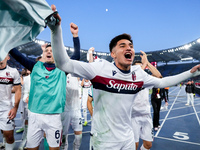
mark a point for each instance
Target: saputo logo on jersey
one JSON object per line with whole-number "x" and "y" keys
{"x": 116, "y": 86}
{"x": 4, "y": 80}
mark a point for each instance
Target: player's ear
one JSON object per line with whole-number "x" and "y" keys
{"x": 113, "y": 55}
{"x": 8, "y": 57}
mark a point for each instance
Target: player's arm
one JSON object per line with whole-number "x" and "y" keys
{"x": 76, "y": 41}
{"x": 27, "y": 63}
{"x": 91, "y": 51}
{"x": 62, "y": 60}
{"x": 171, "y": 80}
{"x": 26, "y": 101}
{"x": 12, "y": 113}
{"x": 82, "y": 82}
{"x": 146, "y": 63}
{"x": 89, "y": 104}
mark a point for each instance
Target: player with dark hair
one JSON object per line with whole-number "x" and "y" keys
{"x": 9, "y": 77}
{"x": 114, "y": 85}
{"x": 47, "y": 96}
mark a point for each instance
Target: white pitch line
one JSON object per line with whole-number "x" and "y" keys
{"x": 167, "y": 115}
{"x": 180, "y": 107}
{"x": 180, "y": 116}
{"x": 196, "y": 114}
{"x": 178, "y": 140}
{"x": 173, "y": 90}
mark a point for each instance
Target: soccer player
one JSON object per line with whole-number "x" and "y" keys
{"x": 89, "y": 101}
{"x": 25, "y": 82}
{"x": 9, "y": 77}
{"x": 141, "y": 113}
{"x": 86, "y": 85}
{"x": 114, "y": 86}
{"x": 47, "y": 96}
{"x": 72, "y": 114}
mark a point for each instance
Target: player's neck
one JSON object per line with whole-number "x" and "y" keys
{"x": 2, "y": 67}
{"x": 124, "y": 71}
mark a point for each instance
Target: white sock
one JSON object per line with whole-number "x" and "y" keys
{"x": 143, "y": 148}
{"x": 77, "y": 142}
{"x": 10, "y": 146}
{"x": 24, "y": 136}
{"x": 4, "y": 141}
{"x": 64, "y": 145}
{"x": 85, "y": 114}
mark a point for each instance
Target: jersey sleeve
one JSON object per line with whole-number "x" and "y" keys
{"x": 63, "y": 62}
{"x": 27, "y": 63}
{"x": 166, "y": 81}
{"x": 17, "y": 80}
{"x": 76, "y": 54}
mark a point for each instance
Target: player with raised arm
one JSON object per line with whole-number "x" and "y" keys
{"x": 141, "y": 113}
{"x": 47, "y": 97}
{"x": 114, "y": 85}
{"x": 72, "y": 114}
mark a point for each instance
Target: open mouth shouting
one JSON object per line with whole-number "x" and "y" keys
{"x": 128, "y": 55}
{"x": 49, "y": 56}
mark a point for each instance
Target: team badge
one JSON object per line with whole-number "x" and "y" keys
{"x": 133, "y": 76}
{"x": 7, "y": 73}
{"x": 114, "y": 72}
{"x": 46, "y": 77}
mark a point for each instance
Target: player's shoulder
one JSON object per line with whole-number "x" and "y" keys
{"x": 136, "y": 68}
{"x": 101, "y": 63}
{"x": 12, "y": 69}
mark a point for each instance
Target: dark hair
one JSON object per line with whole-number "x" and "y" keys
{"x": 24, "y": 72}
{"x": 137, "y": 61}
{"x": 38, "y": 58}
{"x": 114, "y": 41}
{"x": 48, "y": 45}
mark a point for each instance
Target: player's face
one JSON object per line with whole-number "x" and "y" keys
{"x": 123, "y": 54}
{"x": 3, "y": 63}
{"x": 48, "y": 55}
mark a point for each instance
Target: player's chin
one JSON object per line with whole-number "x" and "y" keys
{"x": 50, "y": 61}
{"x": 129, "y": 61}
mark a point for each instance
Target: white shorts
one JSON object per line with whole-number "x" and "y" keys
{"x": 84, "y": 102}
{"x": 125, "y": 145}
{"x": 142, "y": 128}
{"x": 72, "y": 117}
{"x": 38, "y": 124}
{"x": 5, "y": 123}
{"x": 25, "y": 113}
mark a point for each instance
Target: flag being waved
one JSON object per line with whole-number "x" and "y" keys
{"x": 20, "y": 22}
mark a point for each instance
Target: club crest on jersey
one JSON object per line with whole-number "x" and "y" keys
{"x": 114, "y": 72}
{"x": 133, "y": 76}
{"x": 7, "y": 73}
{"x": 46, "y": 77}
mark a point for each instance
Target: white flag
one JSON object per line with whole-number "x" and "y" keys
{"x": 20, "y": 22}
